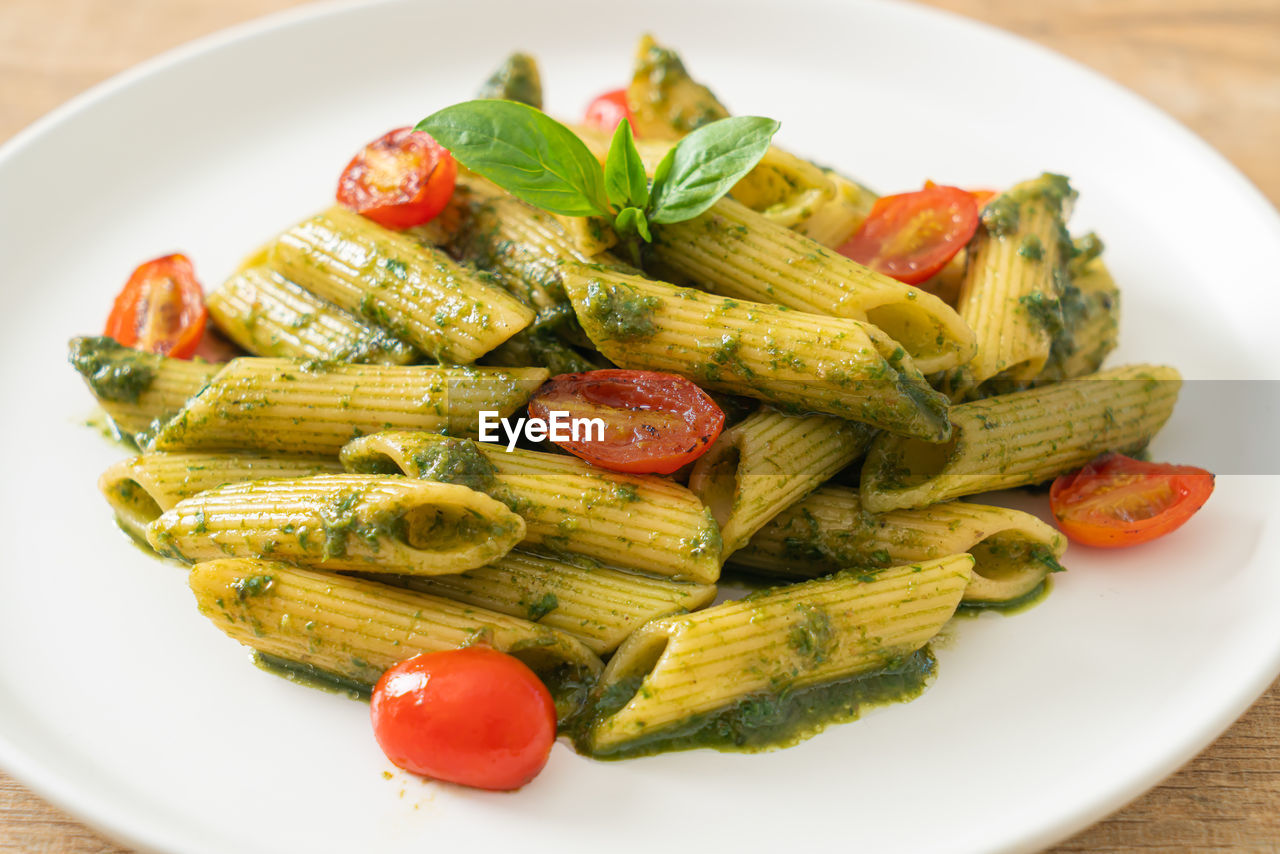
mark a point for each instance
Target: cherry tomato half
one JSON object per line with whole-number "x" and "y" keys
{"x": 473, "y": 716}
{"x": 911, "y": 236}
{"x": 1117, "y": 501}
{"x": 608, "y": 109}
{"x": 161, "y": 309}
{"x": 402, "y": 179}
{"x": 654, "y": 422}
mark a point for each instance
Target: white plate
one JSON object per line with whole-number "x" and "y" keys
{"x": 119, "y": 702}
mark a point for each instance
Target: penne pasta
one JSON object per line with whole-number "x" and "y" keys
{"x": 355, "y": 629}
{"x": 672, "y": 674}
{"x": 598, "y": 605}
{"x": 737, "y": 253}
{"x": 785, "y": 189}
{"x": 342, "y": 522}
{"x": 664, "y": 101}
{"x": 281, "y": 406}
{"x": 798, "y": 361}
{"x": 269, "y": 315}
{"x": 1013, "y": 551}
{"x": 764, "y": 464}
{"x": 1014, "y": 282}
{"x": 1022, "y": 438}
{"x": 522, "y": 245}
{"x": 1091, "y": 325}
{"x": 141, "y": 488}
{"x": 516, "y": 79}
{"x": 643, "y": 523}
{"x": 137, "y": 390}
{"x": 838, "y": 218}
{"x": 414, "y": 291}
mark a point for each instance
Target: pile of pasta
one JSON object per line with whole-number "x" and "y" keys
{"x": 338, "y": 514}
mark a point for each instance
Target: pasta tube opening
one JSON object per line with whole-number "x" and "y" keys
{"x": 717, "y": 481}
{"x": 637, "y": 522}
{"x": 762, "y": 465}
{"x": 1008, "y": 565}
{"x": 441, "y": 528}
{"x": 343, "y": 522}
{"x": 141, "y": 488}
{"x": 134, "y": 505}
{"x": 915, "y": 327}
{"x": 829, "y": 531}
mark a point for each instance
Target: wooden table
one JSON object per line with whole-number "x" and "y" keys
{"x": 1214, "y": 64}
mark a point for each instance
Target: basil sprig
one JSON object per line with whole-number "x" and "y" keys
{"x": 535, "y": 158}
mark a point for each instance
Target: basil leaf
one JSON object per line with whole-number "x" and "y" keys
{"x": 625, "y": 222}
{"x": 642, "y": 226}
{"x": 525, "y": 152}
{"x": 624, "y": 177}
{"x": 664, "y": 168}
{"x": 632, "y": 221}
{"x": 706, "y": 164}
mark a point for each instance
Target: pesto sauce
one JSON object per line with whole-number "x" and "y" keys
{"x": 252, "y": 585}
{"x": 313, "y": 677}
{"x": 105, "y": 426}
{"x": 451, "y": 460}
{"x": 1031, "y": 248}
{"x": 536, "y": 609}
{"x": 567, "y": 686}
{"x": 516, "y": 79}
{"x": 1084, "y": 251}
{"x": 113, "y": 371}
{"x": 833, "y": 548}
{"x": 673, "y": 97}
{"x": 813, "y": 637}
{"x": 707, "y": 542}
{"x": 764, "y": 721}
{"x": 622, "y": 313}
{"x": 1002, "y": 214}
{"x": 1025, "y": 602}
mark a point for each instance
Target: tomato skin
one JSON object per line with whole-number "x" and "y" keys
{"x": 473, "y": 716}
{"x": 160, "y": 309}
{"x": 654, "y": 422}
{"x": 1116, "y": 501}
{"x": 401, "y": 179}
{"x": 911, "y": 236}
{"x": 980, "y": 197}
{"x": 607, "y": 110}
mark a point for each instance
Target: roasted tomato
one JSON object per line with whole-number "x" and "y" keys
{"x": 473, "y": 716}
{"x": 607, "y": 110}
{"x": 652, "y": 422}
{"x": 1118, "y": 501}
{"x": 402, "y": 179}
{"x": 161, "y": 309}
{"x": 911, "y": 236}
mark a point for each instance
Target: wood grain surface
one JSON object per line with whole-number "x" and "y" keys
{"x": 1213, "y": 64}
